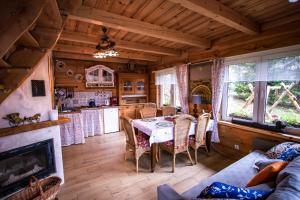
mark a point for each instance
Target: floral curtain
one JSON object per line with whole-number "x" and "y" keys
{"x": 182, "y": 82}
{"x": 218, "y": 73}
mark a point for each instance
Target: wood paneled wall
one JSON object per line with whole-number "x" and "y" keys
{"x": 233, "y": 134}
{"x": 78, "y": 67}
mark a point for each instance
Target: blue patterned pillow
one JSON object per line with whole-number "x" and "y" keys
{"x": 289, "y": 154}
{"x": 222, "y": 190}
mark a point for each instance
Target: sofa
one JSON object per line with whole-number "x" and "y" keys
{"x": 237, "y": 174}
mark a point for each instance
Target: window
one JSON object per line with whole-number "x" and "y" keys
{"x": 263, "y": 89}
{"x": 168, "y": 92}
{"x": 240, "y": 90}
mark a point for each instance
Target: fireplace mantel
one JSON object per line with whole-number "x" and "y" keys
{"x": 31, "y": 127}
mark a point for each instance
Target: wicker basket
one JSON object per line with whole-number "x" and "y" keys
{"x": 45, "y": 189}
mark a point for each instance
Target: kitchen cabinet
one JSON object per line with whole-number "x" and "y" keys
{"x": 133, "y": 88}
{"x": 111, "y": 119}
{"x": 99, "y": 76}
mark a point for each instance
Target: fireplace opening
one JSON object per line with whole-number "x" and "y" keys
{"x": 18, "y": 165}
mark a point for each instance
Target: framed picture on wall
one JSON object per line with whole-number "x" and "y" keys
{"x": 38, "y": 88}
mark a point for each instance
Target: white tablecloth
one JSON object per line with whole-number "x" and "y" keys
{"x": 162, "y": 134}
{"x": 72, "y": 132}
{"x": 92, "y": 122}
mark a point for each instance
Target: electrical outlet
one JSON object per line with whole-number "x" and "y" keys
{"x": 237, "y": 147}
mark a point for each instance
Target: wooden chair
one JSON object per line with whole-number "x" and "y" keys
{"x": 199, "y": 139}
{"x": 148, "y": 112}
{"x": 180, "y": 143}
{"x": 152, "y": 105}
{"x": 168, "y": 110}
{"x": 138, "y": 144}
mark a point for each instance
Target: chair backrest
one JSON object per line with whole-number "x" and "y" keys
{"x": 148, "y": 112}
{"x": 152, "y": 105}
{"x": 129, "y": 130}
{"x": 168, "y": 110}
{"x": 202, "y": 123}
{"x": 182, "y": 126}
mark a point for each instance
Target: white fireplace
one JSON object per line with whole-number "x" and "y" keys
{"x": 31, "y": 137}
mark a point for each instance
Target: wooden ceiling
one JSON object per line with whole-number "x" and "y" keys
{"x": 149, "y": 30}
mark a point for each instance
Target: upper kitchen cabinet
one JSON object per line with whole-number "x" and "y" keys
{"x": 133, "y": 88}
{"x": 99, "y": 76}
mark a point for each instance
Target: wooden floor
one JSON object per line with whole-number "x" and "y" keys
{"x": 97, "y": 170}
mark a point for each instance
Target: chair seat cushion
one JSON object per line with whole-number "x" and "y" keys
{"x": 143, "y": 140}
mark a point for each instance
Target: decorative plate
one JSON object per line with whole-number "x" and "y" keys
{"x": 70, "y": 73}
{"x": 149, "y": 120}
{"x": 78, "y": 77}
{"x": 60, "y": 65}
{"x": 164, "y": 124}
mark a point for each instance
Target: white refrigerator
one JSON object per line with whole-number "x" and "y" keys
{"x": 111, "y": 120}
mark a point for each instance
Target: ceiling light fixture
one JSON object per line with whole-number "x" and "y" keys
{"x": 292, "y": 1}
{"x": 105, "y": 47}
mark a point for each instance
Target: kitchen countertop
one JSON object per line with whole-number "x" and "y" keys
{"x": 78, "y": 109}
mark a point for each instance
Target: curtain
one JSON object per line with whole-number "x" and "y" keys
{"x": 165, "y": 77}
{"x": 218, "y": 74}
{"x": 284, "y": 68}
{"x": 182, "y": 82}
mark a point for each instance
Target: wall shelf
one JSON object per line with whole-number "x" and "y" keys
{"x": 30, "y": 127}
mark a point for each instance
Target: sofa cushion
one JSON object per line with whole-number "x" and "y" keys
{"x": 276, "y": 151}
{"x": 267, "y": 174}
{"x": 239, "y": 172}
{"x": 288, "y": 182}
{"x": 222, "y": 190}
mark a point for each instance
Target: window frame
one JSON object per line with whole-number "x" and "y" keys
{"x": 174, "y": 88}
{"x": 224, "y": 106}
{"x": 260, "y": 95}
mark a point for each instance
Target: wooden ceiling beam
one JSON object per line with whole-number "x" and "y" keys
{"x": 103, "y": 18}
{"x": 94, "y": 40}
{"x": 89, "y": 50}
{"x": 16, "y": 20}
{"x": 86, "y": 57}
{"x": 219, "y": 12}
{"x": 278, "y": 31}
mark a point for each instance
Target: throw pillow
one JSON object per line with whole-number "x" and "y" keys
{"x": 260, "y": 164}
{"x": 289, "y": 154}
{"x": 267, "y": 174}
{"x": 276, "y": 151}
{"x": 222, "y": 190}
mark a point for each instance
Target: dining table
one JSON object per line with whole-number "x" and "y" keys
{"x": 160, "y": 130}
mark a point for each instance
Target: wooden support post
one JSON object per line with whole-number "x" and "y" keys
{"x": 250, "y": 98}
{"x": 281, "y": 96}
{"x": 292, "y": 97}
